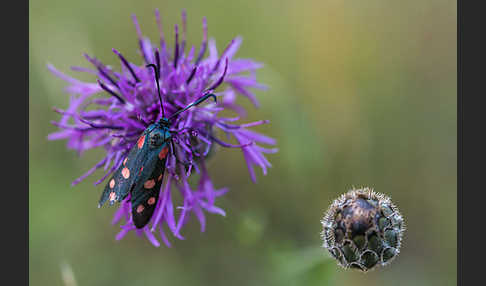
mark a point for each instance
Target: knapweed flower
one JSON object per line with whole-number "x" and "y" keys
{"x": 363, "y": 229}
{"x": 114, "y": 111}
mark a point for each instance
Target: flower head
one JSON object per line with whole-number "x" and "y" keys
{"x": 129, "y": 102}
{"x": 363, "y": 229}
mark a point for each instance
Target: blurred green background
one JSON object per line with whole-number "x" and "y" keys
{"x": 362, "y": 93}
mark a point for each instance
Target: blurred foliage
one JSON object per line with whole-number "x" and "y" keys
{"x": 362, "y": 93}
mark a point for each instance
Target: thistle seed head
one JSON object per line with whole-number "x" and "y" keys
{"x": 362, "y": 229}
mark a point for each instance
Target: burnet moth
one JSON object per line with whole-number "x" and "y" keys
{"x": 142, "y": 171}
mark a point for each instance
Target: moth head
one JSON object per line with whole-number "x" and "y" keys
{"x": 157, "y": 137}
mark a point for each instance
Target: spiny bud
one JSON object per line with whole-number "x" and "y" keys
{"x": 363, "y": 229}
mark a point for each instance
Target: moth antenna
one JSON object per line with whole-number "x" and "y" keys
{"x": 156, "y": 73}
{"x": 201, "y": 99}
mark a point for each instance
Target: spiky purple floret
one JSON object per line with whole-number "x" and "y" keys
{"x": 130, "y": 102}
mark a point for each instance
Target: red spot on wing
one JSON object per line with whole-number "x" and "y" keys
{"x": 140, "y": 141}
{"x": 140, "y": 208}
{"x": 163, "y": 153}
{"x": 125, "y": 173}
{"x": 112, "y": 183}
{"x": 151, "y": 201}
{"x": 149, "y": 184}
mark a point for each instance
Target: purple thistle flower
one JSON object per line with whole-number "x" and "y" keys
{"x": 131, "y": 103}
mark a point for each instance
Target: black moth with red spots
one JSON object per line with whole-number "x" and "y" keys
{"x": 141, "y": 174}
{"x": 142, "y": 171}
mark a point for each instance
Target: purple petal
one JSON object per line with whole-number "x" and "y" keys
{"x": 150, "y": 236}
{"x": 121, "y": 234}
{"x": 213, "y": 209}
{"x": 258, "y": 137}
{"x": 200, "y": 216}
{"x": 159, "y": 211}
{"x": 163, "y": 236}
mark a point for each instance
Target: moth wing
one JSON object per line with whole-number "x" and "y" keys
{"x": 145, "y": 194}
{"x": 125, "y": 176}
